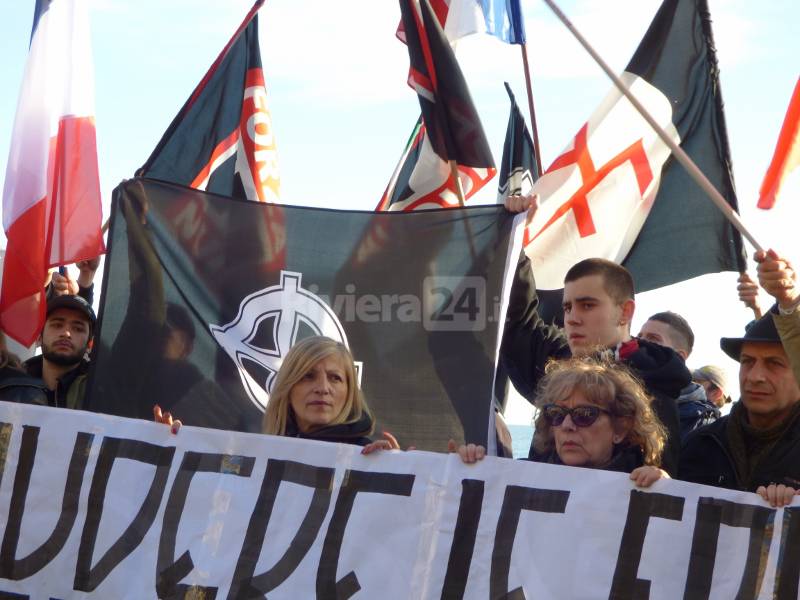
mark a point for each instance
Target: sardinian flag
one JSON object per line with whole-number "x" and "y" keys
{"x": 51, "y": 197}
{"x": 615, "y": 192}
{"x": 222, "y": 139}
{"x": 518, "y": 167}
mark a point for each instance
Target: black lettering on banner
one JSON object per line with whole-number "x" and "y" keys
{"x": 170, "y": 571}
{"x": 517, "y": 498}
{"x": 16, "y": 569}
{"x": 466, "y": 530}
{"x": 788, "y": 570}
{"x": 88, "y": 577}
{"x": 247, "y": 585}
{"x": 641, "y": 507}
{"x": 711, "y": 513}
{"x": 354, "y": 482}
{"x": 5, "y": 440}
{"x": 12, "y": 596}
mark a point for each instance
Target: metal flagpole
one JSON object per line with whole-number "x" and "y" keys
{"x": 534, "y": 128}
{"x": 677, "y": 151}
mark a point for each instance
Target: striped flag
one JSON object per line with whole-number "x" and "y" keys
{"x": 460, "y": 18}
{"x": 787, "y": 153}
{"x": 51, "y": 198}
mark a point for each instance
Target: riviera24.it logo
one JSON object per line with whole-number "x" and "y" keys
{"x": 268, "y": 324}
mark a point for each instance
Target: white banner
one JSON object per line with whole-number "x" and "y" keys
{"x": 93, "y": 506}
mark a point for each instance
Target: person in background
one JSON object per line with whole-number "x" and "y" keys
{"x": 673, "y": 331}
{"x": 593, "y": 414}
{"x": 15, "y": 384}
{"x": 755, "y": 448}
{"x": 779, "y": 279}
{"x": 715, "y": 382}
{"x": 748, "y": 295}
{"x": 65, "y": 340}
{"x": 61, "y": 283}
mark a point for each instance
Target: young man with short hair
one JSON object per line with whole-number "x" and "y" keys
{"x": 598, "y": 309}
{"x": 673, "y": 331}
{"x": 65, "y": 340}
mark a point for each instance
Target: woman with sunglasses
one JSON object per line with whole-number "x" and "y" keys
{"x": 594, "y": 414}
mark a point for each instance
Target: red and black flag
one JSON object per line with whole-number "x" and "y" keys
{"x": 422, "y": 180}
{"x": 221, "y": 140}
{"x": 617, "y": 193}
{"x": 453, "y": 127}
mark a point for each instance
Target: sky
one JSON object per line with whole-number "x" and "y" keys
{"x": 341, "y": 109}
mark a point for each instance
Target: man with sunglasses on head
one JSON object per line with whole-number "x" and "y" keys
{"x": 598, "y": 309}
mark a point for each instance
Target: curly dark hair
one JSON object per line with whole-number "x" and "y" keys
{"x": 607, "y": 384}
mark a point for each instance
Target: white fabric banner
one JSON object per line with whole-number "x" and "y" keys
{"x": 93, "y": 506}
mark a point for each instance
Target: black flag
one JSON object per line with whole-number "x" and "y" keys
{"x": 203, "y": 337}
{"x": 518, "y": 167}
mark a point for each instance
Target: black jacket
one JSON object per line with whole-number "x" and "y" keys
{"x": 706, "y": 458}
{"x": 529, "y": 343}
{"x": 625, "y": 460}
{"x": 343, "y": 433}
{"x": 17, "y": 386}
{"x": 71, "y": 389}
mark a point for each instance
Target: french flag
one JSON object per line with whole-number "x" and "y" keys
{"x": 51, "y": 199}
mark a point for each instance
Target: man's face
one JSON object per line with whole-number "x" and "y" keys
{"x": 769, "y": 389}
{"x": 592, "y": 318}
{"x": 662, "y": 334}
{"x": 65, "y": 336}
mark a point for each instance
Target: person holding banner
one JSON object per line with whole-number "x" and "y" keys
{"x": 595, "y": 414}
{"x": 755, "y": 448}
{"x": 316, "y": 396}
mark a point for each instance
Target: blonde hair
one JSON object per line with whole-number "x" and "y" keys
{"x": 607, "y": 384}
{"x": 300, "y": 359}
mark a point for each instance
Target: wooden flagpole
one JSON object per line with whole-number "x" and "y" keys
{"x": 457, "y": 182}
{"x": 677, "y": 151}
{"x": 534, "y": 128}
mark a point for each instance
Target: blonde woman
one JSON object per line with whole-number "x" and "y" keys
{"x": 594, "y": 414}
{"x": 316, "y": 396}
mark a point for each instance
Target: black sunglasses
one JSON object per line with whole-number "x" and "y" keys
{"x": 582, "y": 416}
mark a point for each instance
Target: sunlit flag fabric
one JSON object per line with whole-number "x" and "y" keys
{"x": 419, "y": 311}
{"x": 51, "y": 198}
{"x": 787, "y": 153}
{"x": 451, "y": 121}
{"x": 459, "y": 18}
{"x": 518, "y": 166}
{"x": 422, "y": 178}
{"x": 616, "y": 193}
{"x": 222, "y": 139}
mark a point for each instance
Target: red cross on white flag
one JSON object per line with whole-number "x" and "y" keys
{"x": 596, "y": 195}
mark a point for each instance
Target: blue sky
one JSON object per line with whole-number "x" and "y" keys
{"x": 342, "y": 111}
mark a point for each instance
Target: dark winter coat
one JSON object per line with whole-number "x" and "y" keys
{"x": 695, "y": 410}
{"x": 71, "y": 389}
{"x": 17, "y": 386}
{"x": 344, "y": 433}
{"x": 624, "y": 460}
{"x": 706, "y": 458}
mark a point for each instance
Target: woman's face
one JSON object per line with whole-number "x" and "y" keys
{"x": 320, "y": 395}
{"x": 589, "y": 446}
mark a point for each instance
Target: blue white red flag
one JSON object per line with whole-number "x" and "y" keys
{"x": 51, "y": 198}
{"x": 460, "y": 18}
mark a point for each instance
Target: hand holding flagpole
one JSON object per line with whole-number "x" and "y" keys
{"x": 677, "y": 151}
